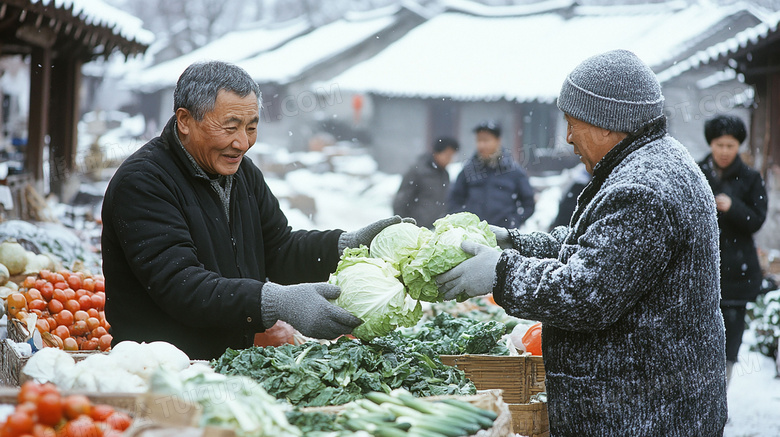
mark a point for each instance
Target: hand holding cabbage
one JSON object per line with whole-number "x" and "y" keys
{"x": 384, "y": 284}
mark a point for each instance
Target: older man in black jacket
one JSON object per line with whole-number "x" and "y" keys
{"x": 633, "y": 340}
{"x": 196, "y": 250}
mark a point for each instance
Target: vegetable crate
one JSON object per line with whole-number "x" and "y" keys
{"x": 124, "y": 401}
{"x": 13, "y": 363}
{"x": 519, "y": 376}
{"x": 530, "y": 419}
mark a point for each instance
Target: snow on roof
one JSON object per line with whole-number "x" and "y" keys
{"x": 739, "y": 41}
{"x": 523, "y": 58}
{"x": 292, "y": 59}
{"x": 97, "y": 13}
{"x": 232, "y": 47}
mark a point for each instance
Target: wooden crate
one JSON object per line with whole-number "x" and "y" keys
{"x": 530, "y": 419}
{"x": 13, "y": 363}
{"x": 519, "y": 376}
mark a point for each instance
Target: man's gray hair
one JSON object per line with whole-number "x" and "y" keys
{"x": 197, "y": 88}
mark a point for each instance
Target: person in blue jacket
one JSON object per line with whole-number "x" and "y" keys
{"x": 491, "y": 184}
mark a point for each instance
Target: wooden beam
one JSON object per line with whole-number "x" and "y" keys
{"x": 63, "y": 122}
{"x": 40, "y": 86}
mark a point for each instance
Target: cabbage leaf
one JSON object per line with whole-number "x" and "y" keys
{"x": 371, "y": 290}
{"x": 442, "y": 251}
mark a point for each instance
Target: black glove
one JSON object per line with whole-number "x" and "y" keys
{"x": 306, "y": 308}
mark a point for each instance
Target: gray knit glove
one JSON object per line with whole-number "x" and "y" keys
{"x": 366, "y": 235}
{"x": 306, "y": 308}
{"x": 502, "y": 237}
{"x": 473, "y": 277}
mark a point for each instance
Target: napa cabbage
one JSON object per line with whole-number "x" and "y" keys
{"x": 442, "y": 251}
{"x": 371, "y": 290}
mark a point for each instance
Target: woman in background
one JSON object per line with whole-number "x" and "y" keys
{"x": 741, "y": 201}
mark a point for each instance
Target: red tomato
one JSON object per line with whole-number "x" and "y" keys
{"x": 64, "y": 317}
{"x": 92, "y": 323}
{"x": 47, "y": 290}
{"x": 119, "y": 421}
{"x": 69, "y": 293}
{"x": 30, "y": 391}
{"x": 50, "y": 409}
{"x": 82, "y": 427}
{"x": 101, "y": 412}
{"x": 55, "y": 306}
{"x": 42, "y": 325}
{"x": 88, "y": 284}
{"x": 41, "y": 430}
{"x": 99, "y": 300}
{"x": 72, "y": 305}
{"x": 29, "y": 282}
{"x": 37, "y": 304}
{"x": 99, "y": 285}
{"x": 32, "y": 294}
{"x": 59, "y": 294}
{"x": 80, "y": 315}
{"x": 62, "y": 331}
{"x": 76, "y": 405}
{"x": 60, "y": 285}
{"x": 104, "y": 342}
{"x": 85, "y": 302}
{"x": 79, "y": 328}
{"x": 20, "y": 423}
{"x": 74, "y": 281}
{"x": 70, "y": 344}
{"x": 89, "y": 345}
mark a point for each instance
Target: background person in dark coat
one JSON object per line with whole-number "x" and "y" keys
{"x": 422, "y": 194}
{"x": 741, "y": 200}
{"x": 491, "y": 184}
{"x": 196, "y": 250}
{"x": 632, "y": 338}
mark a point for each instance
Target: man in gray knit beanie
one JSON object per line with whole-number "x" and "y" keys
{"x": 628, "y": 294}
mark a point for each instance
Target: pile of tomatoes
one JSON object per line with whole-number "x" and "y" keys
{"x": 41, "y": 411}
{"x": 69, "y": 306}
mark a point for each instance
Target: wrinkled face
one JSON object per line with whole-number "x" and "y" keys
{"x": 724, "y": 150}
{"x": 220, "y": 140}
{"x": 590, "y": 143}
{"x": 487, "y": 144}
{"x": 444, "y": 158}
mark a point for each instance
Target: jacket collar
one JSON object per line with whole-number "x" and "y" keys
{"x": 648, "y": 133}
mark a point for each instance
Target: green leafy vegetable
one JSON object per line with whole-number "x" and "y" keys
{"x": 313, "y": 374}
{"x": 371, "y": 291}
{"x": 398, "y": 244}
{"x": 442, "y": 251}
{"x": 234, "y": 402}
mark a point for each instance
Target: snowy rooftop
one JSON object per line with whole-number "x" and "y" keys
{"x": 274, "y": 54}
{"x": 232, "y": 47}
{"x": 474, "y": 56}
{"x": 292, "y": 59}
{"x": 741, "y": 40}
{"x": 97, "y": 13}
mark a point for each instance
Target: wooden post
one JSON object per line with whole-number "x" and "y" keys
{"x": 40, "y": 86}
{"x": 63, "y": 125}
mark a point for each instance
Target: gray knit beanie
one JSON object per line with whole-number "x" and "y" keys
{"x": 614, "y": 90}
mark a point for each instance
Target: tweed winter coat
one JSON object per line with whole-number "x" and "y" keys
{"x": 176, "y": 270}
{"x": 499, "y": 194}
{"x": 423, "y": 192}
{"x": 633, "y": 338}
{"x": 740, "y": 272}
